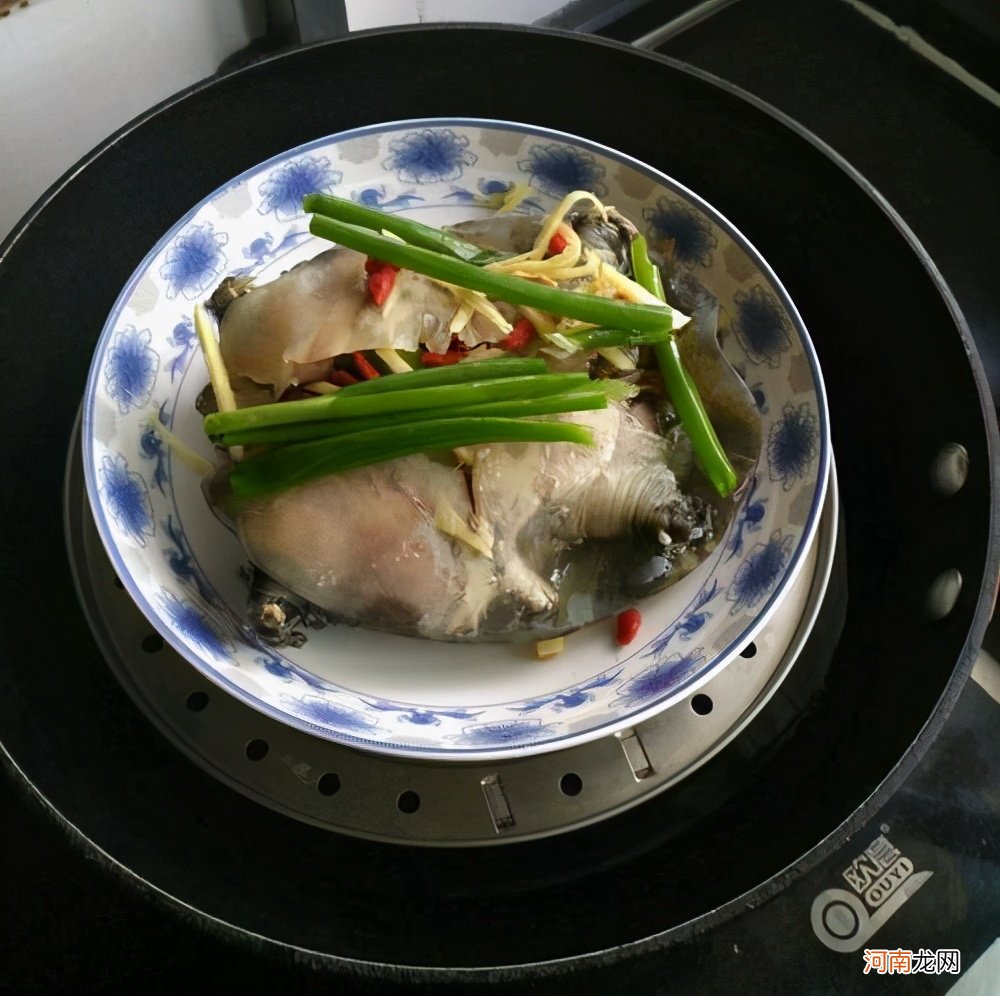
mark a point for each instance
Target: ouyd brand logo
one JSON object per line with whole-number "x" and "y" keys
{"x": 881, "y": 879}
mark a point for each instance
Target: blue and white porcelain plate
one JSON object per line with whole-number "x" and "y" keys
{"x": 402, "y": 695}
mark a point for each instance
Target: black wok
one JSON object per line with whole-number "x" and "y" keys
{"x": 902, "y": 385}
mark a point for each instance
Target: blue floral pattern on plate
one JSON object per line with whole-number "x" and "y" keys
{"x": 761, "y": 325}
{"x": 413, "y": 697}
{"x": 131, "y": 368}
{"x": 556, "y": 169}
{"x": 192, "y": 623}
{"x": 194, "y": 261}
{"x": 125, "y": 496}
{"x": 792, "y": 443}
{"x": 656, "y": 681}
{"x": 760, "y": 571}
{"x": 688, "y": 233}
{"x": 429, "y": 155}
{"x": 282, "y": 190}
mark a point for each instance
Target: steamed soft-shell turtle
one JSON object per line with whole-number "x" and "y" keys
{"x": 497, "y": 542}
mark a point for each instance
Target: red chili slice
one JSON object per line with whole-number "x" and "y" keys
{"x": 380, "y": 284}
{"x": 341, "y": 378}
{"x": 556, "y": 244}
{"x": 519, "y": 337}
{"x": 363, "y": 367}
{"x": 441, "y": 359}
{"x": 373, "y": 265}
{"x": 627, "y": 626}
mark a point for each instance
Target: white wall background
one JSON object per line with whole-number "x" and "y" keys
{"x": 379, "y": 13}
{"x": 74, "y": 71}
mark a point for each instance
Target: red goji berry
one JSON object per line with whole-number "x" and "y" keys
{"x": 627, "y": 626}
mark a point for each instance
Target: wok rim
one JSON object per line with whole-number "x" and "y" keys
{"x": 985, "y": 601}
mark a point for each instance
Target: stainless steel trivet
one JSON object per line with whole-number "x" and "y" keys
{"x": 432, "y": 802}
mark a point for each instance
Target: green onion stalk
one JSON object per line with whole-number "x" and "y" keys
{"x": 498, "y": 286}
{"x": 343, "y": 405}
{"x": 283, "y": 467}
{"x": 411, "y": 232}
{"x": 612, "y": 338}
{"x": 588, "y": 399}
{"x": 459, "y": 373}
{"x": 681, "y": 387}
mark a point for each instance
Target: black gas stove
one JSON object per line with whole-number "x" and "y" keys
{"x": 867, "y": 856}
